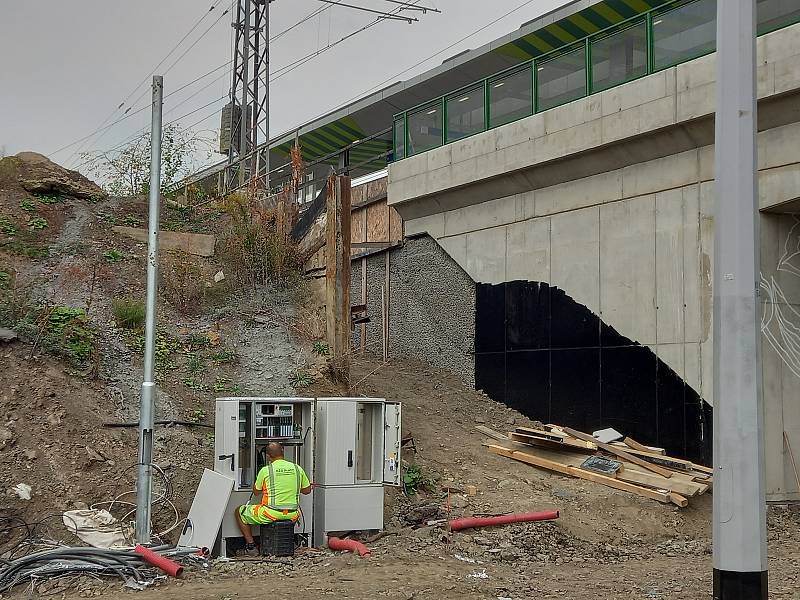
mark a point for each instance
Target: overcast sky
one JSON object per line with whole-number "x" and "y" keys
{"x": 66, "y": 66}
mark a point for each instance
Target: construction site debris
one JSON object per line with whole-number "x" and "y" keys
{"x": 335, "y": 543}
{"x": 475, "y": 522}
{"x": 23, "y": 491}
{"x": 558, "y": 449}
{"x": 607, "y": 435}
{"x": 98, "y": 528}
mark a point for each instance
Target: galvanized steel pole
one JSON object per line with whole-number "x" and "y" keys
{"x": 740, "y": 546}
{"x": 147, "y": 405}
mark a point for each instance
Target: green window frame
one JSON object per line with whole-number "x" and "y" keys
{"x": 783, "y": 13}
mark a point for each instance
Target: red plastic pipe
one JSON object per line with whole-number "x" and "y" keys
{"x": 170, "y": 567}
{"x": 469, "y": 522}
{"x": 335, "y": 543}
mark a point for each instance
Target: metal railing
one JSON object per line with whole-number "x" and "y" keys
{"x": 660, "y": 38}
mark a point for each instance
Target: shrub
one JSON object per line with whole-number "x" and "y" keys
{"x": 182, "y": 283}
{"x": 7, "y": 227}
{"x": 128, "y": 314}
{"x": 257, "y": 244}
{"x": 27, "y": 204}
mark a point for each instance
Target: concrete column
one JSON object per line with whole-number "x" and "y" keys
{"x": 740, "y": 546}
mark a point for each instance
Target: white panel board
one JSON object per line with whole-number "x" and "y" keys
{"x": 207, "y": 511}
{"x": 350, "y": 508}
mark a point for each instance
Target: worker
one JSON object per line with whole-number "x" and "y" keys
{"x": 280, "y": 483}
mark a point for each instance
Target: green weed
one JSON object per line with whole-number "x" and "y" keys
{"x": 416, "y": 478}
{"x": 300, "y": 379}
{"x": 37, "y": 223}
{"x": 128, "y": 313}
{"x": 223, "y": 356}
{"x": 112, "y": 256}
{"x": 7, "y": 227}
{"x": 49, "y": 198}
{"x": 28, "y": 205}
{"x": 132, "y": 220}
{"x": 321, "y": 348}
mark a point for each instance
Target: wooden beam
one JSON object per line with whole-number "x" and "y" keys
{"x": 677, "y": 464}
{"x": 580, "y": 473}
{"x": 633, "y": 444}
{"x": 337, "y": 276}
{"x": 621, "y": 453}
{"x": 495, "y": 435}
{"x": 673, "y": 484}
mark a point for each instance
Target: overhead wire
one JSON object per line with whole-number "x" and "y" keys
{"x": 386, "y": 15}
{"x": 277, "y": 74}
{"x": 426, "y": 59}
{"x": 146, "y": 78}
{"x": 103, "y": 128}
{"x": 172, "y": 66}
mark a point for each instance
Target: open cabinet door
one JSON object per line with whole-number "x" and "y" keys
{"x": 391, "y": 443}
{"x": 226, "y": 438}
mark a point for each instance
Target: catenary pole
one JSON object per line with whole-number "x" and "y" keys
{"x": 147, "y": 405}
{"x": 740, "y": 547}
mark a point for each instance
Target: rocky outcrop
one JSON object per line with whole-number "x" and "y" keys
{"x": 38, "y": 174}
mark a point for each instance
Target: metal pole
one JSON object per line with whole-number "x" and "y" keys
{"x": 266, "y": 96}
{"x": 147, "y": 405}
{"x": 740, "y": 541}
{"x": 244, "y": 130}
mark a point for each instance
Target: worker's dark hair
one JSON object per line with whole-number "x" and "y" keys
{"x": 275, "y": 449}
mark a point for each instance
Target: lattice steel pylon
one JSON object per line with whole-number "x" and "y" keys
{"x": 249, "y": 96}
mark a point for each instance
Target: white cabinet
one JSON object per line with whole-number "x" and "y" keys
{"x": 243, "y": 428}
{"x": 358, "y": 452}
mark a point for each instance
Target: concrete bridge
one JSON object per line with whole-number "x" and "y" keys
{"x": 581, "y": 240}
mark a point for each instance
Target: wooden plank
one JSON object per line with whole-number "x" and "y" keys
{"x": 564, "y": 444}
{"x": 495, "y": 435}
{"x": 670, "y": 462}
{"x": 673, "y": 484}
{"x": 678, "y": 500}
{"x": 395, "y": 226}
{"x": 621, "y": 453}
{"x": 580, "y": 473}
{"x": 633, "y": 444}
{"x": 359, "y": 227}
{"x": 546, "y": 434}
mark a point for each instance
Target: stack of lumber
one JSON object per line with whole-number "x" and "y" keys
{"x": 629, "y": 466}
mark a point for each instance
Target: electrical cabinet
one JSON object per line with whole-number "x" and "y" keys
{"x": 357, "y": 453}
{"x": 243, "y": 428}
{"x": 348, "y": 447}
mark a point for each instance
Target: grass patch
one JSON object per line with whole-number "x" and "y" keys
{"x": 128, "y": 314}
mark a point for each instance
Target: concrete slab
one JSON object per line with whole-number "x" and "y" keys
{"x": 673, "y": 356}
{"x": 778, "y": 186}
{"x": 480, "y": 216}
{"x": 486, "y": 255}
{"x": 692, "y": 367}
{"x": 669, "y": 267}
{"x": 433, "y": 225}
{"x": 695, "y": 291}
{"x": 661, "y": 174}
{"x": 580, "y": 193}
{"x": 627, "y": 268}
{"x": 456, "y": 247}
{"x": 575, "y": 255}
{"x": 528, "y": 251}
{"x": 197, "y": 244}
